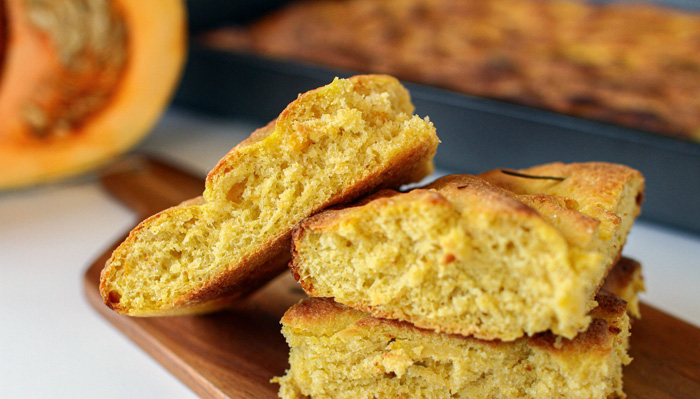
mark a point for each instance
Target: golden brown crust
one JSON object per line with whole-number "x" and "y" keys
{"x": 448, "y": 190}
{"x": 592, "y": 183}
{"x": 625, "y": 280}
{"x": 312, "y": 311}
{"x": 315, "y": 313}
{"x": 605, "y": 325}
{"x": 464, "y": 188}
{"x": 610, "y": 193}
{"x": 622, "y": 275}
{"x": 576, "y": 226}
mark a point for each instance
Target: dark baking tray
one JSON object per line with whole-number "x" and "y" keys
{"x": 477, "y": 134}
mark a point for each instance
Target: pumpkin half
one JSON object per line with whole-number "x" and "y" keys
{"x": 81, "y": 81}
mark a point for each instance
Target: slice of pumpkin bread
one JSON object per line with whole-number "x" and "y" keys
{"x": 338, "y": 352}
{"x": 465, "y": 256}
{"x": 329, "y": 146}
{"x": 342, "y": 353}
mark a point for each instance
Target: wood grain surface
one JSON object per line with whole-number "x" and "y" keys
{"x": 235, "y": 353}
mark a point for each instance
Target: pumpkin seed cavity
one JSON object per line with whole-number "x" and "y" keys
{"x": 90, "y": 39}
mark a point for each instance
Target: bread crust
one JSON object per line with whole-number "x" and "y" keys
{"x": 606, "y": 317}
{"x": 625, "y": 280}
{"x": 593, "y": 183}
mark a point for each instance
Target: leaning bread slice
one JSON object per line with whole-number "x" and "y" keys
{"x": 342, "y": 353}
{"x": 330, "y": 145}
{"x": 464, "y": 256}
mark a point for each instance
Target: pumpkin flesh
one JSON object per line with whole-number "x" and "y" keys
{"x": 82, "y": 81}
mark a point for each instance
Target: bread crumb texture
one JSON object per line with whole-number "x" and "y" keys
{"x": 496, "y": 256}
{"x": 341, "y": 353}
{"x": 330, "y": 145}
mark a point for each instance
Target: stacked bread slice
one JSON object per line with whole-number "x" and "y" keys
{"x": 340, "y": 352}
{"x": 471, "y": 287}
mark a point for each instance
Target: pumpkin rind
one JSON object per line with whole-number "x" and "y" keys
{"x": 155, "y": 47}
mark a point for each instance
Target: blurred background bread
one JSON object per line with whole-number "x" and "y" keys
{"x": 630, "y": 64}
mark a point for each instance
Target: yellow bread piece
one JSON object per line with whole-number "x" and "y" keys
{"x": 331, "y": 145}
{"x": 465, "y": 256}
{"x": 338, "y": 352}
{"x": 342, "y": 353}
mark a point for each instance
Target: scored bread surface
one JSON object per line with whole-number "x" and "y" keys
{"x": 463, "y": 255}
{"x": 331, "y": 145}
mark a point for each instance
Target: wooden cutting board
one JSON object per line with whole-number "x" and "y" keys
{"x": 234, "y": 354}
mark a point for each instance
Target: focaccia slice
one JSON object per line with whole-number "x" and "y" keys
{"x": 342, "y": 353}
{"x": 465, "y": 256}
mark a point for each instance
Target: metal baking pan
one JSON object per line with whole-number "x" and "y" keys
{"x": 477, "y": 134}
